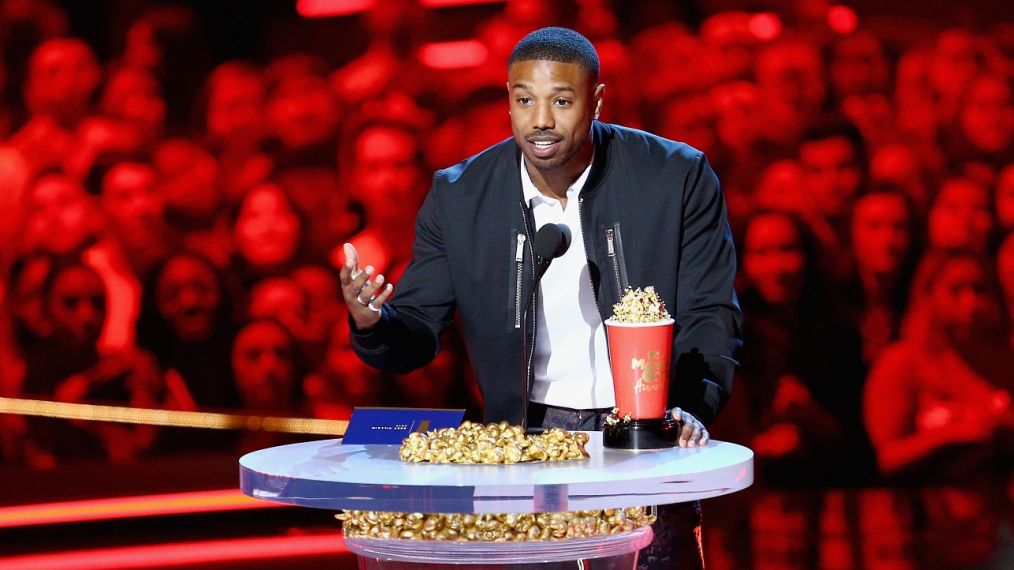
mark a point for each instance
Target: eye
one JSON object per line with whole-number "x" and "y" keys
{"x": 524, "y": 100}
{"x": 562, "y": 103}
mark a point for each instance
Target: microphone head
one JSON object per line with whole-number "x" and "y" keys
{"x": 551, "y": 241}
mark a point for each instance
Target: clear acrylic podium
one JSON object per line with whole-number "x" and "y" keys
{"x": 328, "y": 475}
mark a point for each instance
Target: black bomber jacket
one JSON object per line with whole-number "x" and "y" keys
{"x": 652, "y": 213}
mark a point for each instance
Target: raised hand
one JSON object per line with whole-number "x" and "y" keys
{"x": 363, "y": 296}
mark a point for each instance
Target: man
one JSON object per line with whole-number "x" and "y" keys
{"x": 641, "y": 211}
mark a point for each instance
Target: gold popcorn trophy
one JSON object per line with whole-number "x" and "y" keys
{"x": 640, "y": 336}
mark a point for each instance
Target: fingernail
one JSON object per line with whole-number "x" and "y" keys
{"x": 369, "y": 270}
{"x": 389, "y": 287}
{"x": 380, "y": 279}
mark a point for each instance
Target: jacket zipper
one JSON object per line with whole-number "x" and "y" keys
{"x": 519, "y": 258}
{"x": 612, "y": 260}
{"x": 530, "y": 314}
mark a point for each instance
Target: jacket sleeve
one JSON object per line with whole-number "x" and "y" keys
{"x": 422, "y": 305}
{"x": 708, "y": 317}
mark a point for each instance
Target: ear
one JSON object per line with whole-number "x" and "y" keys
{"x": 599, "y": 92}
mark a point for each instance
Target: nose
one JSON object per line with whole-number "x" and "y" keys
{"x": 89, "y": 317}
{"x": 543, "y": 119}
{"x": 189, "y": 297}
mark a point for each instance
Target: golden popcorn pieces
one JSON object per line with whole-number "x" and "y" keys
{"x": 493, "y": 527}
{"x": 640, "y": 306}
{"x": 494, "y": 443}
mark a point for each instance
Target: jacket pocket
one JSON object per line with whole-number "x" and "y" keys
{"x": 617, "y": 265}
{"x": 517, "y": 275}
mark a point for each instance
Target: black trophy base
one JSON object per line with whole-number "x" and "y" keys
{"x": 635, "y": 435}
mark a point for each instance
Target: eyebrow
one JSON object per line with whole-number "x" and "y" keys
{"x": 556, "y": 89}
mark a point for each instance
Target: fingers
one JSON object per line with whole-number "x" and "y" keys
{"x": 354, "y": 287}
{"x": 350, "y": 271}
{"x": 363, "y": 294}
{"x": 692, "y": 431}
{"x": 374, "y": 293}
{"x": 384, "y": 295}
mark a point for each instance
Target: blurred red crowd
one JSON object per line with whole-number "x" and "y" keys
{"x": 171, "y": 233}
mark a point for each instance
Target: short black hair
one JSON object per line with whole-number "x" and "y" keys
{"x": 557, "y": 44}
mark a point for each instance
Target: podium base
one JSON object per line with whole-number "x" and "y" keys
{"x": 636, "y": 435}
{"x": 606, "y": 552}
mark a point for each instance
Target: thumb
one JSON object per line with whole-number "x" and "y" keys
{"x": 351, "y": 256}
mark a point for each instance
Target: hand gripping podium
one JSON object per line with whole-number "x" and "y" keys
{"x": 327, "y": 475}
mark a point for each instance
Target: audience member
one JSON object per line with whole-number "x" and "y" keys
{"x": 267, "y": 374}
{"x": 801, "y": 367}
{"x": 961, "y": 217}
{"x": 831, "y": 145}
{"x": 235, "y": 126}
{"x": 186, "y": 322}
{"x": 267, "y": 232}
{"x": 884, "y": 245}
{"x": 74, "y": 308}
{"x": 938, "y": 403}
{"x": 133, "y": 208}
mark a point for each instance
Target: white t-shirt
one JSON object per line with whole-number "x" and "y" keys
{"x": 571, "y": 360}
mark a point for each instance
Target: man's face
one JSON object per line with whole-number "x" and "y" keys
{"x": 77, "y": 306}
{"x": 280, "y": 299}
{"x": 262, "y": 363}
{"x": 690, "y": 119}
{"x": 386, "y": 170}
{"x": 130, "y": 199}
{"x": 960, "y": 296}
{"x": 59, "y": 217}
{"x": 301, "y": 112}
{"x": 236, "y": 107}
{"x": 62, "y": 74}
{"x": 552, "y": 105}
{"x": 773, "y": 258}
{"x": 987, "y": 117}
{"x": 880, "y": 232}
{"x": 136, "y": 97}
{"x": 267, "y": 230}
{"x": 960, "y": 217}
{"x": 832, "y": 172}
{"x": 187, "y": 295}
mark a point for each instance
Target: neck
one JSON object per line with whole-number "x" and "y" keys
{"x": 876, "y": 284}
{"x": 556, "y": 181}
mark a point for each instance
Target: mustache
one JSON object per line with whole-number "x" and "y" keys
{"x": 544, "y": 135}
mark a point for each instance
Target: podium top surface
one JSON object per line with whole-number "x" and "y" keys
{"x": 325, "y": 474}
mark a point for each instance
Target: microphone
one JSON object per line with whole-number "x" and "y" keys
{"x": 551, "y": 241}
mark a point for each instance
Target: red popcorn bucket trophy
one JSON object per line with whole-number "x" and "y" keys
{"x": 640, "y": 355}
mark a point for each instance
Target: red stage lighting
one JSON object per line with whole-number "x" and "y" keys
{"x": 128, "y": 507}
{"x": 329, "y": 8}
{"x": 453, "y": 55}
{"x": 842, "y": 19}
{"x": 198, "y": 553}
{"x": 765, "y": 26}
{"x": 446, "y": 3}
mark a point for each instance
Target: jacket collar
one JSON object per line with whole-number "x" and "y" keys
{"x": 601, "y": 134}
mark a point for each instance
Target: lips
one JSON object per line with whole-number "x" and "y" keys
{"x": 544, "y": 147}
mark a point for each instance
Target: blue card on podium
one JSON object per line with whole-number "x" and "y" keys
{"x": 388, "y": 426}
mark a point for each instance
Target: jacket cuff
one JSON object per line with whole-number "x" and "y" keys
{"x": 372, "y": 339}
